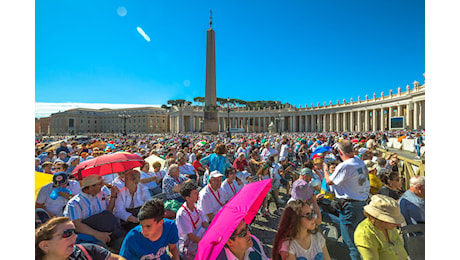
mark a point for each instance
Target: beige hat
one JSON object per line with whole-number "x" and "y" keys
{"x": 385, "y": 209}
{"x": 90, "y": 180}
{"x": 370, "y": 165}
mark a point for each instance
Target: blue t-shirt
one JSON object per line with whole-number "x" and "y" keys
{"x": 136, "y": 246}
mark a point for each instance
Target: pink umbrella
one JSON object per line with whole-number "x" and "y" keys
{"x": 108, "y": 164}
{"x": 244, "y": 205}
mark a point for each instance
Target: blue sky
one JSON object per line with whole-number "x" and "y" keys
{"x": 300, "y": 52}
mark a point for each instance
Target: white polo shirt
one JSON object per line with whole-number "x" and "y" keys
{"x": 210, "y": 201}
{"x": 351, "y": 180}
{"x": 185, "y": 225}
{"x": 229, "y": 190}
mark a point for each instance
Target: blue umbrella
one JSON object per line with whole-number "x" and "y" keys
{"x": 320, "y": 150}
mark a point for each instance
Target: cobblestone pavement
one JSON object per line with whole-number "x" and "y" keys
{"x": 265, "y": 230}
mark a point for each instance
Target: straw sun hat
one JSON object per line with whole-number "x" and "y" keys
{"x": 385, "y": 209}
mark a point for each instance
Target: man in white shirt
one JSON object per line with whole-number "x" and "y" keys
{"x": 190, "y": 222}
{"x": 212, "y": 198}
{"x": 350, "y": 182}
{"x": 229, "y": 186}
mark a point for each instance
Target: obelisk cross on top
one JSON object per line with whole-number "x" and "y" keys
{"x": 210, "y": 19}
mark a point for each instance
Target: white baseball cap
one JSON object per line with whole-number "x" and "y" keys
{"x": 215, "y": 174}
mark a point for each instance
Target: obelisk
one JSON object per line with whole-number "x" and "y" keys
{"x": 210, "y": 106}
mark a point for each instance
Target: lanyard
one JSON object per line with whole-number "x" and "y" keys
{"x": 218, "y": 196}
{"x": 232, "y": 187}
{"x": 176, "y": 179}
{"x": 161, "y": 175}
{"x": 190, "y": 216}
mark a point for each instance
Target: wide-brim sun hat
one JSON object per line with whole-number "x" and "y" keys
{"x": 370, "y": 165}
{"x": 385, "y": 209}
{"x": 90, "y": 180}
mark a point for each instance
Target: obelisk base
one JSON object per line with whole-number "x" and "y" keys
{"x": 210, "y": 122}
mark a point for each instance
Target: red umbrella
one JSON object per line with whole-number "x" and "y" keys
{"x": 108, "y": 164}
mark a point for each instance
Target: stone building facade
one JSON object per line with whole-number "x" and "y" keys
{"x": 84, "y": 120}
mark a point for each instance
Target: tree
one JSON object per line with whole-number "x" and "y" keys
{"x": 198, "y": 99}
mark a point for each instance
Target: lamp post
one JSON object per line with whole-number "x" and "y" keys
{"x": 228, "y": 109}
{"x": 124, "y": 116}
{"x": 278, "y": 123}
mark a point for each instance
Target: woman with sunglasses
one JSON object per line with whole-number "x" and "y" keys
{"x": 298, "y": 236}
{"x": 392, "y": 185}
{"x": 242, "y": 245}
{"x": 56, "y": 238}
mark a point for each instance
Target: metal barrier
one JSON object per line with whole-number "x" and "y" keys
{"x": 407, "y": 168}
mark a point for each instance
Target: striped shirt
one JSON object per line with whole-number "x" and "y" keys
{"x": 84, "y": 205}
{"x": 168, "y": 184}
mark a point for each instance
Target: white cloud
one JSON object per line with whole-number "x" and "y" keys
{"x": 46, "y": 109}
{"x": 141, "y": 32}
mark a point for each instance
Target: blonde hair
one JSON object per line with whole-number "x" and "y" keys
{"x": 156, "y": 164}
{"x": 317, "y": 160}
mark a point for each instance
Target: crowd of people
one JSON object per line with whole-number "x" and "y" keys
{"x": 161, "y": 210}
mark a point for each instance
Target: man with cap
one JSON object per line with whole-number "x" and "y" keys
{"x": 61, "y": 186}
{"x": 211, "y": 198}
{"x": 91, "y": 202}
{"x": 350, "y": 183}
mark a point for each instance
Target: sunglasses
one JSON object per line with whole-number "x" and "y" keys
{"x": 68, "y": 233}
{"x": 309, "y": 215}
{"x": 243, "y": 232}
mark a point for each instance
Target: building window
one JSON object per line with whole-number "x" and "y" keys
{"x": 71, "y": 122}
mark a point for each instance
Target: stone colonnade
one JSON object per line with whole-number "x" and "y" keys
{"x": 367, "y": 118}
{"x": 363, "y": 115}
